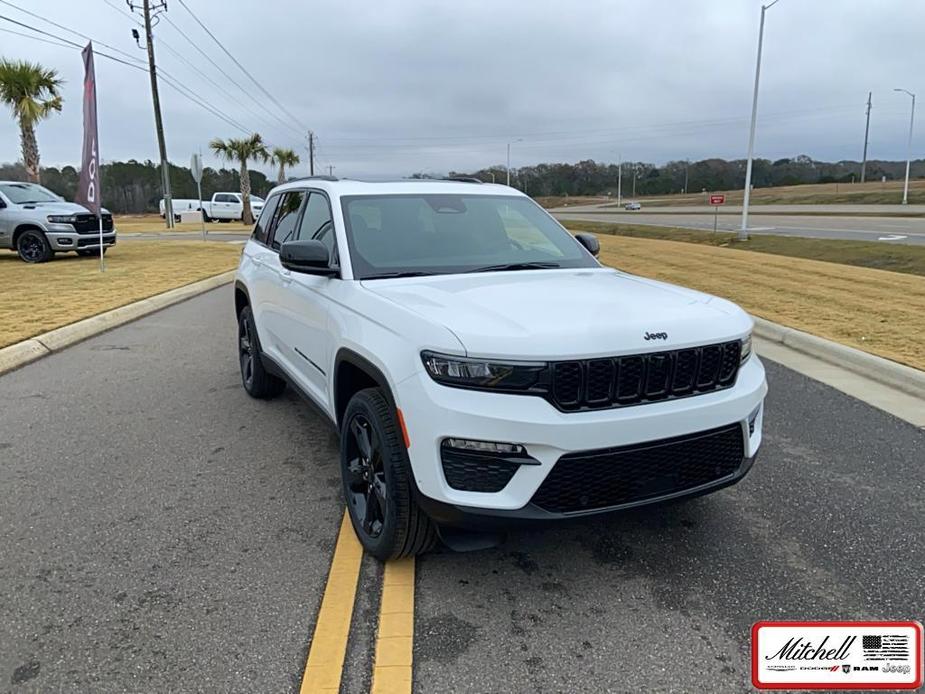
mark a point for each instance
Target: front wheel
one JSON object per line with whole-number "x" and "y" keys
{"x": 33, "y": 247}
{"x": 256, "y": 380}
{"x": 377, "y": 481}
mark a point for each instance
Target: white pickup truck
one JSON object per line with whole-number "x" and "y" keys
{"x": 223, "y": 207}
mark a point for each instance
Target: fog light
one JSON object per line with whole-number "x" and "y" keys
{"x": 64, "y": 242}
{"x": 485, "y": 446}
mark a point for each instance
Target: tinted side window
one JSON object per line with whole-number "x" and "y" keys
{"x": 317, "y": 224}
{"x": 287, "y": 217}
{"x": 262, "y": 230}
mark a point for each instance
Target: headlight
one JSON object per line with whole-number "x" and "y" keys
{"x": 61, "y": 218}
{"x": 746, "y": 350}
{"x": 482, "y": 373}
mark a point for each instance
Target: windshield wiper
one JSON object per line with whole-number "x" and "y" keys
{"x": 392, "y": 275}
{"x": 540, "y": 265}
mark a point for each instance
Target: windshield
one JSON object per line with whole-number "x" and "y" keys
{"x": 255, "y": 198}
{"x": 25, "y": 193}
{"x": 393, "y": 235}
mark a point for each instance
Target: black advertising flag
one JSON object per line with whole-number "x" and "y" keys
{"x": 88, "y": 188}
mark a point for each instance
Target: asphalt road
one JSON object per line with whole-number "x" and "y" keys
{"x": 889, "y": 230}
{"x": 160, "y": 531}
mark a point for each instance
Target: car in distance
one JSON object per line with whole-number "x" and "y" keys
{"x": 632, "y": 206}
{"x": 223, "y": 207}
{"x": 36, "y": 223}
{"x": 481, "y": 367}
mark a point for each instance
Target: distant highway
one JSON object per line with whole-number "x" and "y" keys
{"x": 903, "y": 230}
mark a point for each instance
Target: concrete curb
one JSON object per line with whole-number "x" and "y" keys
{"x": 22, "y": 353}
{"x": 884, "y": 371}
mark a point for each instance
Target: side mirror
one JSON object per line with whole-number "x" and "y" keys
{"x": 590, "y": 242}
{"x": 310, "y": 257}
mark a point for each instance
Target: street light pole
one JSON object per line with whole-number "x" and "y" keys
{"x": 743, "y": 232}
{"x": 909, "y": 152}
{"x": 519, "y": 139}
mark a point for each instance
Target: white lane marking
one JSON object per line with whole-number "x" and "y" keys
{"x": 236, "y": 243}
{"x": 892, "y": 237}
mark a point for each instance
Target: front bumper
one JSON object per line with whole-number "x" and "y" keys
{"x": 72, "y": 241}
{"x": 433, "y": 412}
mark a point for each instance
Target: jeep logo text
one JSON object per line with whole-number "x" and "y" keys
{"x": 656, "y": 336}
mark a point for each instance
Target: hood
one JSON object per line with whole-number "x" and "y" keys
{"x": 551, "y": 314}
{"x": 59, "y": 208}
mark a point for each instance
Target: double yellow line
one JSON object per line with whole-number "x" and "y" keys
{"x": 394, "y": 639}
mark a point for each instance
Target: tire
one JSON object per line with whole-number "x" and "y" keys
{"x": 205, "y": 217}
{"x": 87, "y": 253}
{"x": 33, "y": 247}
{"x": 376, "y": 477}
{"x": 256, "y": 380}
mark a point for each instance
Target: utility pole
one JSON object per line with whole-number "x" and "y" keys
{"x": 311, "y": 153}
{"x": 909, "y": 153}
{"x": 151, "y": 12}
{"x": 331, "y": 170}
{"x": 743, "y": 232}
{"x": 687, "y": 166}
{"x": 866, "y": 132}
{"x": 635, "y": 170}
{"x": 619, "y": 180}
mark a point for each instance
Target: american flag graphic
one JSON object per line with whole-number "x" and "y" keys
{"x": 885, "y": 647}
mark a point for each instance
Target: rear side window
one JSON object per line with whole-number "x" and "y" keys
{"x": 287, "y": 218}
{"x": 262, "y": 229}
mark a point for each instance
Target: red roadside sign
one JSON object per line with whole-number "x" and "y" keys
{"x": 717, "y": 199}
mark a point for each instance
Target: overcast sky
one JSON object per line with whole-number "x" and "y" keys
{"x": 394, "y": 87}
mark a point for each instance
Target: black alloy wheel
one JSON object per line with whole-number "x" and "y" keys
{"x": 367, "y": 490}
{"x": 246, "y": 353}
{"x": 33, "y": 247}
{"x": 257, "y": 381}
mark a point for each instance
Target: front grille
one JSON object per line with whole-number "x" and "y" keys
{"x": 89, "y": 223}
{"x": 636, "y": 379}
{"x": 609, "y": 477}
{"x": 476, "y": 472}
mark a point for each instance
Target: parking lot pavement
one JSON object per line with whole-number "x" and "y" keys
{"x": 828, "y": 525}
{"x": 160, "y": 531}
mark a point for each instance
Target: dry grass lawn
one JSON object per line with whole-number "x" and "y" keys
{"x": 154, "y": 223}
{"x": 38, "y": 298}
{"x": 874, "y": 310}
{"x": 870, "y": 192}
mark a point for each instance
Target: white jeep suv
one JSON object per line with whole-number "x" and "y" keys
{"x": 481, "y": 366}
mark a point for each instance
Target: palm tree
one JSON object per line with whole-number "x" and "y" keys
{"x": 284, "y": 157}
{"x": 31, "y": 91}
{"x": 241, "y": 151}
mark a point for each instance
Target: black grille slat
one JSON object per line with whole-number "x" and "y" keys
{"x": 567, "y": 383}
{"x": 604, "y": 478}
{"x": 685, "y": 371}
{"x": 642, "y": 378}
{"x": 630, "y": 380}
{"x": 599, "y": 387}
{"x": 732, "y": 353}
{"x": 711, "y": 358}
{"x": 658, "y": 372}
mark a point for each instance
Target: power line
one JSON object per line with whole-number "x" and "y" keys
{"x": 282, "y": 108}
{"x": 229, "y": 77}
{"x": 168, "y": 79}
{"x": 73, "y": 31}
{"x": 35, "y": 38}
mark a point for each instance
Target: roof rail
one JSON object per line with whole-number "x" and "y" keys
{"x": 314, "y": 178}
{"x": 463, "y": 179}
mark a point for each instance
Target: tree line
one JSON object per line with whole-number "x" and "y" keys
{"x": 134, "y": 187}
{"x": 589, "y": 177}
